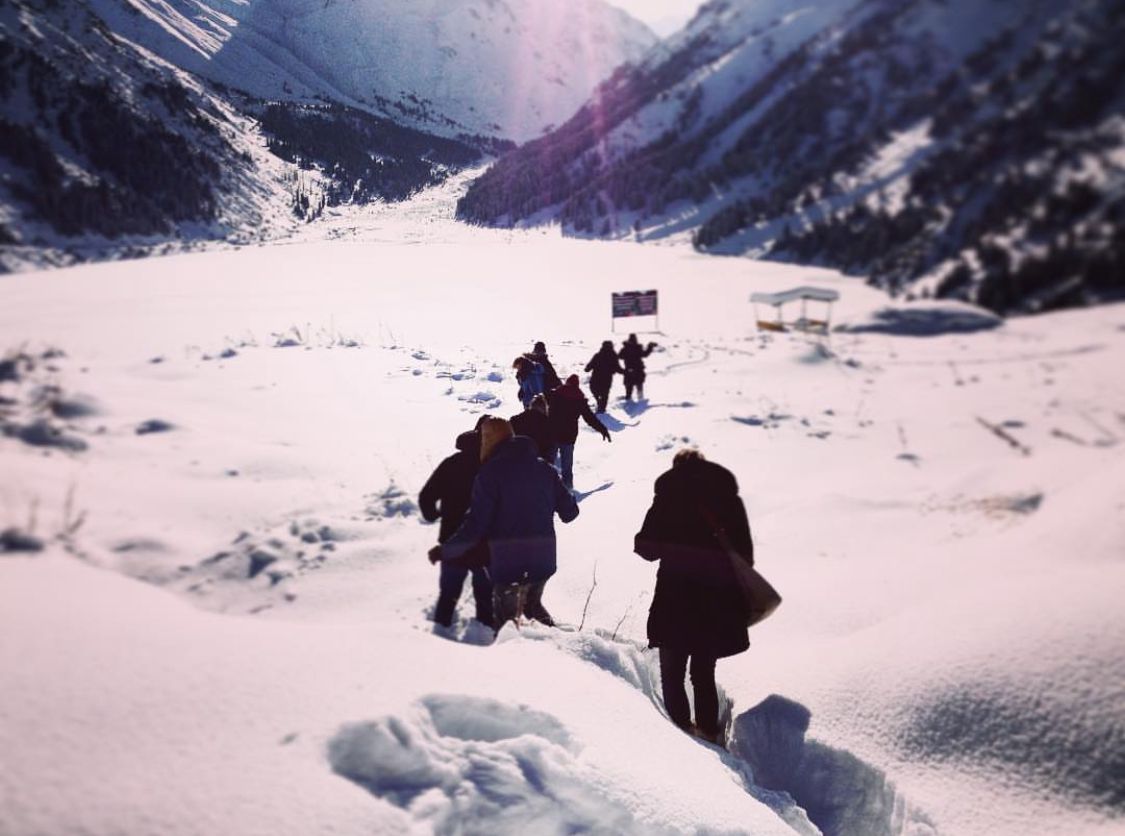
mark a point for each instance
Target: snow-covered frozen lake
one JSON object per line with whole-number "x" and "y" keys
{"x": 940, "y": 502}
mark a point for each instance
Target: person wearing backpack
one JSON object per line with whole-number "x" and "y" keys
{"x": 602, "y": 367}
{"x": 632, "y": 356}
{"x": 445, "y": 496}
{"x": 698, "y": 613}
{"x": 531, "y": 379}
{"x": 565, "y": 405}
{"x": 515, "y": 498}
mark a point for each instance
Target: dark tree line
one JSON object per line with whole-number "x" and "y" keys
{"x": 363, "y": 157}
{"x": 142, "y": 177}
{"x": 1004, "y": 186}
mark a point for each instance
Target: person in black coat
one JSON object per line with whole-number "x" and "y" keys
{"x": 445, "y": 496}
{"x": 602, "y": 367}
{"x": 632, "y": 356}
{"x": 698, "y": 612}
{"x": 515, "y": 498}
{"x": 534, "y": 423}
{"x": 565, "y": 405}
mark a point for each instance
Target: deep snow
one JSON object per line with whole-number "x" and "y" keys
{"x": 942, "y": 513}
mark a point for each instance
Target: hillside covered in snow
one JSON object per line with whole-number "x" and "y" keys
{"x": 215, "y": 598}
{"x": 129, "y": 126}
{"x": 500, "y": 68}
{"x": 946, "y": 148}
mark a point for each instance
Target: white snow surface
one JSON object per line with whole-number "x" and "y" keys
{"x": 509, "y": 68}
{"x": 943, "y": 515}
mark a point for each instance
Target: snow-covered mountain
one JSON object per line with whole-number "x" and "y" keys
{"x": 952, "y": 147}
{"x": 128, "y": 125}
{"x": 507, "y": 68}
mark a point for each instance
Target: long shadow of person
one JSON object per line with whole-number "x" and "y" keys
{"x": 580, "y": 495}
{"x": 612, "y": 424}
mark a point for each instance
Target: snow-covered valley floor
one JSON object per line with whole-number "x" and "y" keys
{"x": 239, "y": 437}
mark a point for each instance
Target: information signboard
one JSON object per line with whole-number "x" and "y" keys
{"x": 634, "y": 303}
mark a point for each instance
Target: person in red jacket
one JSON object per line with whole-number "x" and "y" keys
{"x": 565, "y": 405}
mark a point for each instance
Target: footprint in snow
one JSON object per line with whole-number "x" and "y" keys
{"x": 455, "y": 759}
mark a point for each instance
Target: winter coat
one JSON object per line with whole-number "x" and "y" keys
{"x": 632, "y": 355}
{"x": 565, "y": 404}
{"x": 602, "y": 367}
{"x": 536, "y": 426}
{"x": 446, "y": 494}
{"x": 515, "y": 498}
{"x": 531, "y": 383}
{"x": 698, "y": 605}
{"x": 550, "y": 376}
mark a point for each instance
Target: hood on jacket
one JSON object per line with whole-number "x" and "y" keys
{"x": 698, "y": 477}
{"x": 570, "y": 389}
{"x": 469, "y": 442}
{"x": 516, "y": 446}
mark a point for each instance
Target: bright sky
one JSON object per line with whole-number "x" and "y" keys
{"x": 663, "y": 16}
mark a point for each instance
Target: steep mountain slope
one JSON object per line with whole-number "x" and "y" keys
{"x": 508, "y": 68}
{"x": 98, "y": 138}
{"x": 966, "y": 149}
{"x": 129, "y": 125}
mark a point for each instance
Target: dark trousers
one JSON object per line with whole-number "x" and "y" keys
{"x": 634, "y": 379}
{"x": 515, "y": 599}
{"x": 450, "y": 584}
{"x": 601, "y": 397}
{"x": 673, "y": 666}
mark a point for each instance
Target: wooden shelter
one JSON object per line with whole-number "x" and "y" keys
{"x": 803, "y": 295}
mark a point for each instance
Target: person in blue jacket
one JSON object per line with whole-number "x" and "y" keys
{"x": 531, "y": 378}
{"x": 514, "y": 501}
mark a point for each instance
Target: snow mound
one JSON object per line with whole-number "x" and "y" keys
{"x": 1079, "y": 755}
{"x": 459, "y": 763}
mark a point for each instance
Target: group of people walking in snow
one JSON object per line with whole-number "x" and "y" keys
{"x": 498, "y": 495}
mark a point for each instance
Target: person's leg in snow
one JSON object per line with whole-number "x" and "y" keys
{"x": 706, "y": 694}
{"x": 566, "y": 464}
{"x": 482, "y": 595}
{"x": 450, "y": 583}
{"x": 533, "y": 604}
{"x": 673, "y": 668}
{"x": 507, "y": 604}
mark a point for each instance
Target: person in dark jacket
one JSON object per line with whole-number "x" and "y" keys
{"x": 565, "y": 404}
{"x": 632, "y": 356}
{"x": 534, "y": 423}
{"x": 445, "y": 496}
{"x": 515, "y": 498}
{"x": 602, "y": 367}
{"x": 698, "y": 612}
{"x": 550, "y": 376}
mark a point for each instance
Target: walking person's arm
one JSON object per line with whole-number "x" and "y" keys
{"x": 565, "y": 505}
{"x": 430, "y": 496}
{"x": 590, "y": 418}
{"x": 474, "y": 528}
